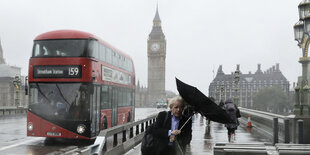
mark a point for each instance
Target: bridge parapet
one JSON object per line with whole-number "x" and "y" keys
{"x": 260, "y": 149}
{"x": 263, "y": 123}
{"x": 115, "y": 140}
{"x": 120, "y": 147}
{"x": 292, "y": 149}
{"x": 4, "y": 111}
{"x": 238, "y": 148}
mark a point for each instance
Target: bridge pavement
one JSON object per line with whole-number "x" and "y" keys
{"x": 205, "y": 136}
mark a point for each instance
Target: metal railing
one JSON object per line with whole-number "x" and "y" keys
{"x": 122, "y": 144}
{"x": 12, "y": 110}
{"x": 116, "y": 140}
{"x": 264, "y": 122}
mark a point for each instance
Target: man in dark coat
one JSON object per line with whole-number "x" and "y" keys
{"x": 170, "y": 131}
{"x": 234, "y": 113}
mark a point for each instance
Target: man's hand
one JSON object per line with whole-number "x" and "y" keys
{"x": 171, "y": 138}
{"x": 175, "y": 132}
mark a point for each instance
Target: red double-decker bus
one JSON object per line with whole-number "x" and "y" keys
{"x": 78, "y": 86}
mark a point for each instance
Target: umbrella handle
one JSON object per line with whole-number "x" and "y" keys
{"x": 186, "y": 121}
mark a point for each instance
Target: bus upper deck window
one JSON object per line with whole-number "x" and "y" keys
{"x": 36, "y": 51}
{"x": 93, "y": 49}
{"x": 39, "y": 50}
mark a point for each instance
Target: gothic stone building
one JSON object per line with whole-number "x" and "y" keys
{"x": 222, "y": 86}
{"x": 8, "y": 93}
{"x": 156, "y": 53}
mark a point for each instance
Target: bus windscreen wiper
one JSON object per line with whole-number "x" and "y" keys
{"x": 42, "y": 92}
{"x": 62, "y": 94}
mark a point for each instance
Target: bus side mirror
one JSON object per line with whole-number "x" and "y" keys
{"x": 26, "y": 85}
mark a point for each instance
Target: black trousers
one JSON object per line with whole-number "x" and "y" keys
{"x": 231, "y": 130}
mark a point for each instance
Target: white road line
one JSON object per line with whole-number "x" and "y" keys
{"x": 17, "y": 144}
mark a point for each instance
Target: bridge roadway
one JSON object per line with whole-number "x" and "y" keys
{"x": 13, "y": 139}
{"x": 204, "y": 137}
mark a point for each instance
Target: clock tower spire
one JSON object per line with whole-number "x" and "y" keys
{"x": 156, "y": 52}
{"x": 1, "y": 55}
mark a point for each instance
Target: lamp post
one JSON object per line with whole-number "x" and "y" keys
{"x": 17, "y": 83}
{"x": 302, "y": 32}
{"x": 236, "y": 80}
{"x": 222, "y": 92}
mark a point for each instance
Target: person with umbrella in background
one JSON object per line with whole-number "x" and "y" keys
{"x": 202, "y": 104}
{"x": 234, "y": 113}
{"x": 221, "y": 104}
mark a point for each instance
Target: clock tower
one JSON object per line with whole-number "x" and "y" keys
{"x": 156, "y": 53}
{"x": 1, "y": 55}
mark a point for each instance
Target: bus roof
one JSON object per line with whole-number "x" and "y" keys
{"x": 64, "y": 34}
{"x": 75, "y": 34}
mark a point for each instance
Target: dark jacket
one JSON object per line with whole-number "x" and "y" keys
{"x": 234, "y": 113}
{"x": 161, "y": 131}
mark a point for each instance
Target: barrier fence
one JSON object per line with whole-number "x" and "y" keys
{"x": 4, "y": 111}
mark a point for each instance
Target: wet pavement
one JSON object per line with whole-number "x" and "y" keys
{"x": 13, "y": 138}
{"x": 205, "y": 136}
{"x": 12, "y": 129}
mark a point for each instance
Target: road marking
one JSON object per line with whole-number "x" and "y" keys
{"x": 17, "y": 144}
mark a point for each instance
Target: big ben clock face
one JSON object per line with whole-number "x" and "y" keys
{"x": 155, "y": 47}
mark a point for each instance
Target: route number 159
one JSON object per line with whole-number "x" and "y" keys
{"x": 73, "y": 71}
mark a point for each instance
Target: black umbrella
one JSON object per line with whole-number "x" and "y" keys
{"x": 202, "y": 103}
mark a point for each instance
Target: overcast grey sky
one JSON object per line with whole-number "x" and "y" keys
{"x": 200, "y": 34}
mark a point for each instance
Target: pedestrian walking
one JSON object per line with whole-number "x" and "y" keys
{"x": 221, "y": 104}
{"x": 234, "y": 113}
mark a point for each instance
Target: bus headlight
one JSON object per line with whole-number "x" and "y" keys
{"x": 81, "y": 128}
{"x": 30, "y": 126}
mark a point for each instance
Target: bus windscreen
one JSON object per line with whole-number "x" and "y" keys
{"x": 56, "y": 101}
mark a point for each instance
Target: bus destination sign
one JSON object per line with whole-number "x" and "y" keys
{"x": 57, "y": 71}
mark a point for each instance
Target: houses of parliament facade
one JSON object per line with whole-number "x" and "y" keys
{"x": 222, "y": 86}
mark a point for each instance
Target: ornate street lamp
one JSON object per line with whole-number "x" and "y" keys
{"x": 302, "y": 34}
{"x": 236, "y": 97}
{"x": 17, "y": 84}
{"x": 222, "y": 93}
{"x": 298, "y": 31}
{"x": 303, "y": 9}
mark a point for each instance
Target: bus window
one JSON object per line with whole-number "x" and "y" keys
{"x": 114, "y": 59}
{"x": 132, "y": 97}
{"x": 120, "y": 97}
{"x": 93, "y": 49}
{"x": 102, "y": 52}
{"x": 125, "y": 97}
{"x": 59, "y": 48}
{"x": 36, "y": 50}
{"x": 105, "y": 99}
{"x": 129, "y": 65}
{"x": 108, "y": 55}
{"x": 39, "y": 50}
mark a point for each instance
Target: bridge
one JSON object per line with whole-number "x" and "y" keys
{"x": 211, "y": 138}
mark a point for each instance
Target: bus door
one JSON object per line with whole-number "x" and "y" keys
{"x": 114, "y": 106}
{"x": 95, "y": 110}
